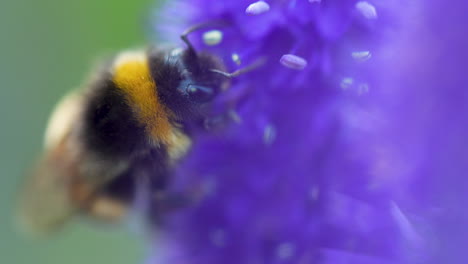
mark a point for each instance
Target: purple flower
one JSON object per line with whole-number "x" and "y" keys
{"x": 347, "y": 146}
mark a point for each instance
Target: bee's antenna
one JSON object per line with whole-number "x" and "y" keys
{"x": 256, "y": 64}
{"x": 196, "y": 27}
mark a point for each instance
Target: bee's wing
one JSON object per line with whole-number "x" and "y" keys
{"x": 45, "y": 200}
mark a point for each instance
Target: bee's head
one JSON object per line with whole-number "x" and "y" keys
{"x": 199, "y": 83}
{"x": 185, "y": 80}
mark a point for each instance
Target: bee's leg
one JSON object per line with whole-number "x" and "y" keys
{"x": 87, "y": 199}
{"x": 167, "y": 202}
{"x": 108, "y": 209}
{"x": 164, "y": 203}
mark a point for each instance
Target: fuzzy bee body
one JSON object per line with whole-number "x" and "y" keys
{"x": 125, "y": 129}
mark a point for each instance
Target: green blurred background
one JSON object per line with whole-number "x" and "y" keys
{"x": 48, "y": 47}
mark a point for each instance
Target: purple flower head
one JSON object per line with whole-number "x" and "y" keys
{"x": 319, "y": 149}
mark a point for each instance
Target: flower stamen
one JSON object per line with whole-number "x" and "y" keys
{"x": 257, "y": 8}
{"x": 366, "y": 9}
{"x": 293, "y": 62}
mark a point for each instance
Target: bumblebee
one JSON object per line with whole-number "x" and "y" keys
{"x": 126, "y": 129}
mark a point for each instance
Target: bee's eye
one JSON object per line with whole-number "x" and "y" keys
{"x": 199, "y": 93}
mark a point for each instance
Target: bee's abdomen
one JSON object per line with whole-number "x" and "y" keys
{"x": 146, "y": 171}
{"x": 110, "y": 127}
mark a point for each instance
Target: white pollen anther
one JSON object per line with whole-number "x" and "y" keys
{"x": 293, "y": 62}
{"x": 235, "y": 116}
{"x": 346, "y": 83}
{"x": 361, "y": 55}
{"x": 269, "y": 134}
{"x": 212, "y": 37}
{"x": 366, "y": 9}
{"x": 257, "y": 8}
{"x": 235, "y": 58}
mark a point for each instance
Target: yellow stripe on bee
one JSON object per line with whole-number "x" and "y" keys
{"x": 132, "y": 76}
